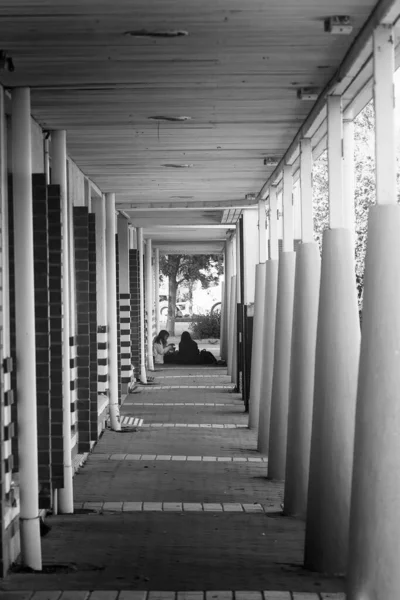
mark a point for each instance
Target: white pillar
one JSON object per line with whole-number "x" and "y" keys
{"x": 115, "y": 419}
{"x": 143, "y": 376}
{"x": 228, "y": 279}
{"x": 271, "y": 282}
{"x": 250, "y": 253}
{"x": 283, "y": 338}
{"x": 262, "y": 233}
{"x": 99, "y": 208}
{"x": 157, "y": 287}
{"x": 149, "y": 303}
{"x": 25, "y": 329}
{"x": 232, "y": 328}
{"x": 374, "y": 527}
{"x": 257, "y": 348}
{"x": 304, "y": 332}
{"x": 336, "y": 370}
{"x": 59, "y": 176}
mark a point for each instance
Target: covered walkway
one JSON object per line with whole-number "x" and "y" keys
{"x": 183, "y": 508}
{"x": 131, "y": 130}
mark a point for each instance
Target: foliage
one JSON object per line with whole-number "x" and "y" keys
{"x": 206, "y": 326}
{"x": 184, "y": 268}
{"x": 205, "y": 268}
{"x": 364, "y": 156}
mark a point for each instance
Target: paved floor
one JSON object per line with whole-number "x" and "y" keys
{"x": 179, "y": 509}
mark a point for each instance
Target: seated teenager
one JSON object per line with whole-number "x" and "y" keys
{"x": 188, "y": 350}
{"x": 161, "y": 347}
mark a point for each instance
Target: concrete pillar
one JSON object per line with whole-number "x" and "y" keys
{"x": 99, "y": 209}
{"x": 115, "y": 419}
{"x": 257, "y": 348}
{"x": 25, "y": 329}
{"x": 283, "y": 338}
{"x": 143, "y": 376}
{"x": 304, "y": 332}
{"x": 271, "y": 282}
{"x": 124, "y": 300}
{"x": 228, "y": 318}
{"x": 149, "y": 302}
{"x": 59, "y": 176}
{"x": 232, "y": 328}
{"x": 262, "y": 232}
{"x": 374, "y": 527}
{"x": 157, "y": 287}
{"x": 349, "y": 178}
{"x": 336, "y": 370}
{"x": 250, "y": 253}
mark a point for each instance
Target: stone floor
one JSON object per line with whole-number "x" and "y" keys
{"x": 184, "y": 509}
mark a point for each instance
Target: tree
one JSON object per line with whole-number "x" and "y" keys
{"x": 184, "y": 268}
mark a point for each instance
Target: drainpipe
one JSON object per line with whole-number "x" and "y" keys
{"x": 149, "y": 304}
{"x": 143, "y": 377}
{"x": 59, "y": 176}
{"x": 115, "y": 419}
{"x": 157, "y": 285}
{"x": 25, "y": 330}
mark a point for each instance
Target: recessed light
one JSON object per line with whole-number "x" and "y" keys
{"x": 178, "y": 166}
{"x": 174, "y": 119}
{"x": 163, "y": 34}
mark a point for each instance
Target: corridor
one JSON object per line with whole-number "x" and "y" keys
{"x": 180, "y": 504}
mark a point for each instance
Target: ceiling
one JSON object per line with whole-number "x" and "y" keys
{"x": 108, "y": 71}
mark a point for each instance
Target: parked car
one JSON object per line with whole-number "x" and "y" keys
{"x": 181, "y": 308}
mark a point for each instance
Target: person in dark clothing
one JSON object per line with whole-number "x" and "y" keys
{"x": 188, "y": 350}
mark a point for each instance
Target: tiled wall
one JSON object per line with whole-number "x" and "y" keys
{"x": 56, "y": 334}
{"x": 135, "y": 309}
{"x": 93, "y": 326}
{"x": 81, "y": 240}
{"x": 42, "y": 336}
{"x": 118, "y": 321}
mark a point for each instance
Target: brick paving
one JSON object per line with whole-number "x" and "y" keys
{"x": 181, "y": 509}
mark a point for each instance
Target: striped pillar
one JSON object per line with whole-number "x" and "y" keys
{"x": 74, "y": 396}
{"x": 125, "y": 325}
{"x": 102, "y": 359}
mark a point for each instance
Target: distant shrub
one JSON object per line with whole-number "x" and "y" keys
{"x": 206, "y": 326}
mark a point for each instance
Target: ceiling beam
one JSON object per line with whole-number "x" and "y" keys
{"x": 242, "y": 204}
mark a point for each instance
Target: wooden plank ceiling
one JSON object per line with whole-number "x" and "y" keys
{"x": 234, "y": 75}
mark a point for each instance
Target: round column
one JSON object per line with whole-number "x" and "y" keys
{"x": 115, "y": 418}
{"x": 59, "y": 176}
{"x": 281, "y": 375}
{"x": 143, "y": 375}
{"x": 257, "y": 348}
{"x": 304, "y": 334}
{"x": 336, "y": 370}
{"x": 271, "y": 281}
{"x": 374, "y": 527}
{"x": 25, "y": 329}
{"x": 149, "y": 303}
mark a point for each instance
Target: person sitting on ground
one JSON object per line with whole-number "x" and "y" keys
{"x": 188, "y": 350}
{"x": 161, "y": 347}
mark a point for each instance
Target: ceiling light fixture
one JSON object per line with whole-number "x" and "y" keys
{"x": 271, "y": 161}
{"x": 338, "y": 25}
{"x": 173, "y": 119}
{"x": 163, "y": 34}
{"x": 178, "y": 166}
{"x": 307, "y": 93}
